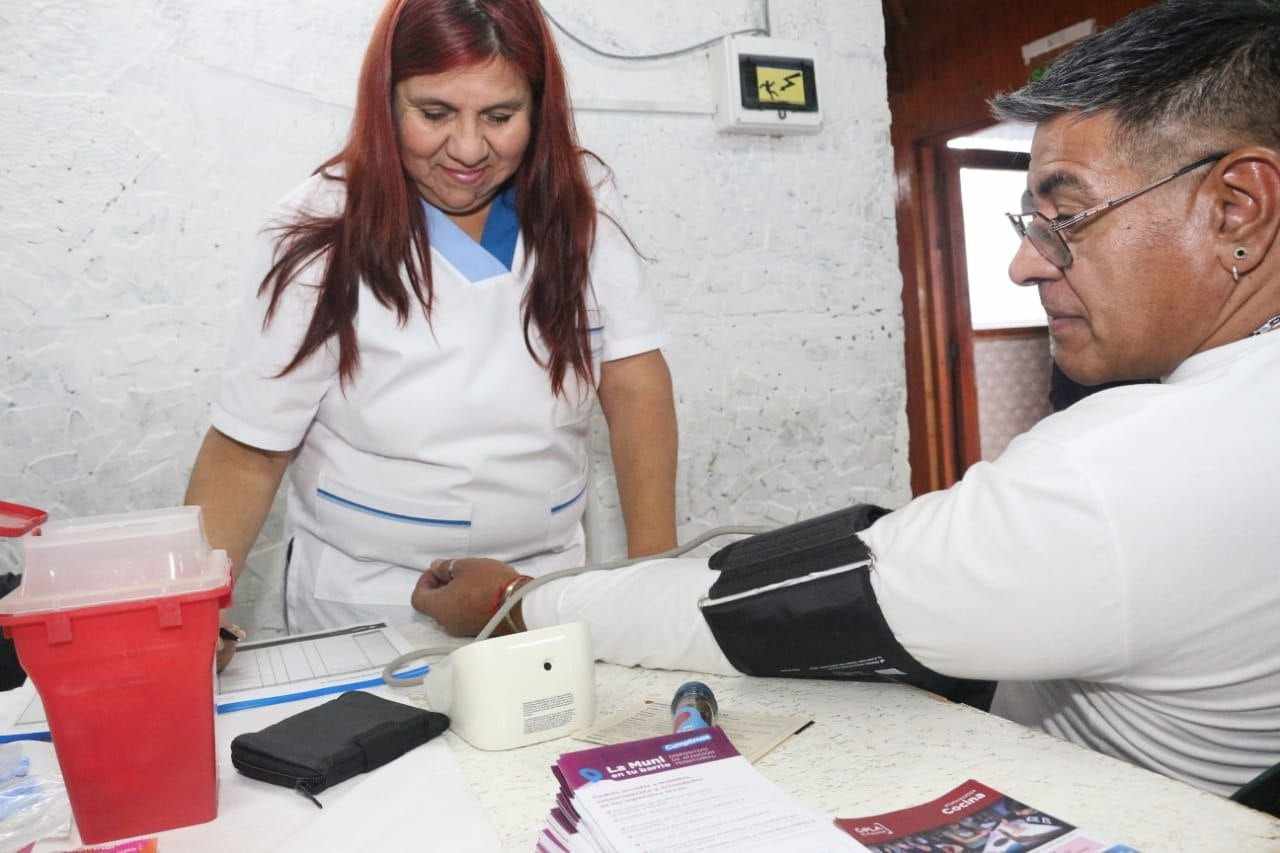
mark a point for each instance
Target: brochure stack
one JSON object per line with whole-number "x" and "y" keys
{"x": 689, "y": 791}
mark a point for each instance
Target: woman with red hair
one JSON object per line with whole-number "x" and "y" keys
{"x": 441, "y": 299}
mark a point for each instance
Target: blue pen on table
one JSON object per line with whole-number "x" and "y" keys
{"x": 693, "y": 707}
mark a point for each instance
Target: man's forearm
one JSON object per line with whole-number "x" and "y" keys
{"x": 644, "y": 615}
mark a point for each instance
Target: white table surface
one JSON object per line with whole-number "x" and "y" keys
{"x": 873, "y": 748}
{"x": 879, "y": 747}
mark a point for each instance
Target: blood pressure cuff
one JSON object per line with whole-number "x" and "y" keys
{"x": 797, "y": 602}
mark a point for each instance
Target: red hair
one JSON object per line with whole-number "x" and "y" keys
{"x": 380, "y": 238}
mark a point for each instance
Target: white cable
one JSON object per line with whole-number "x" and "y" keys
{"x": 666, "y": 54}
{"x": 388, "y": 672}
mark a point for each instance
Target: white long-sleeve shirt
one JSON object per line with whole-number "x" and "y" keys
{"x": 644, "y": 615}
{"x": 1117, "y": 568}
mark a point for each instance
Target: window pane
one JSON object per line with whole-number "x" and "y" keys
{"x": 989, "y": 245}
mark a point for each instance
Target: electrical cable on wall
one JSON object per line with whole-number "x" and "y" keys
{"x": 668, "y": 54}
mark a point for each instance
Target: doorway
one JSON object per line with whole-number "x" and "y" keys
{"x": 1011, "y": 364}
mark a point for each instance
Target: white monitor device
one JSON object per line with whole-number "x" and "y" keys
{"x": 520, "y": 689}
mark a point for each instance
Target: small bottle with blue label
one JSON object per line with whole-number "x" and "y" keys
{"x": 693, "y": 707}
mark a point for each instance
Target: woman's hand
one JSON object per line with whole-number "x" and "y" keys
{"x": 461, "y": 594}
{"x": 226, "y": 646}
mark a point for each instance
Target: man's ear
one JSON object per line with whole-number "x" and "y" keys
{"x": 1247, "y": 207}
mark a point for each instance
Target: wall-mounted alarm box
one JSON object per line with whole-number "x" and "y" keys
{"x": 766, "y": 85}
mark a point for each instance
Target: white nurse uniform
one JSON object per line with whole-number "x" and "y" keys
{"x": 449, "y": 441}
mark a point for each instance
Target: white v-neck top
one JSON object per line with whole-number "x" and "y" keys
{"x": 1117, "y": 569}
{"x": 448, "y": 442}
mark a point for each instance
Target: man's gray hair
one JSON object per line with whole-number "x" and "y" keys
{"x": 1180, "y": 75}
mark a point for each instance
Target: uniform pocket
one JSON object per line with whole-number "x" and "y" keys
{"x": 565, "y": 506}
{"x": 378, "y": 527}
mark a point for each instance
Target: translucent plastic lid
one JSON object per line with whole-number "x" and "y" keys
{"x": 108, "y": 559}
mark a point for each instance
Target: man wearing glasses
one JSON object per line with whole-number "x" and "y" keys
{"x": 1117, "y": 569}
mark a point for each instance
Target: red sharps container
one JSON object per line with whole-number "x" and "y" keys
{"x": 116, "y": 622}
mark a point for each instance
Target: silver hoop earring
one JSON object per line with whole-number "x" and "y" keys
{"x": 1241, "y": 253}
{"x": 1235, "y": 273}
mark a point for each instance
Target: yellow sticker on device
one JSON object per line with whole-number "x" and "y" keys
{"x": 780, "y": 86}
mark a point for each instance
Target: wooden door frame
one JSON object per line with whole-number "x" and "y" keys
{"x": 939, "y": 330}
{"x": 935, "y": 334}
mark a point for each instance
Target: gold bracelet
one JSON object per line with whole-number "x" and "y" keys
{"x": 507, "y": 591}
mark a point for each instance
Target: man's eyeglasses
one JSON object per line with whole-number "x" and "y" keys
{"x": 1045, "y": 234}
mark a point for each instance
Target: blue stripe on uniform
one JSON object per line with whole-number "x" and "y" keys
{"x": 394, "y": 516}
{"x": 569, "y": 502}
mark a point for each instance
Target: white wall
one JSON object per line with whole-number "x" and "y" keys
{"x": 145, "y": 139}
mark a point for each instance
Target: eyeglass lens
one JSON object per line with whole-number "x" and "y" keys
{"x": 1048, "y": 243}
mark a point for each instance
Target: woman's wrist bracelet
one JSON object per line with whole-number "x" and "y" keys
{"x": 504, "y": 595}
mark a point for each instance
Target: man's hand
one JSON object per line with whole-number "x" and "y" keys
{"x": 460, "y": 594}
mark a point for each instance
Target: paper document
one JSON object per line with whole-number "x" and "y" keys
{"x": 304, "y": 666}
{"x": 285, "y": 662}
{"x": 753, "y": 735}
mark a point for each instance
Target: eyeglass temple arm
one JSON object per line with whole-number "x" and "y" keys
{"x": 1112, "y": 202}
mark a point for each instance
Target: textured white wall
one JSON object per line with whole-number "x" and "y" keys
{"x": 145, "y": 139}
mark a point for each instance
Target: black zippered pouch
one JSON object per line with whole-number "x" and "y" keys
{"x": 328, "y": 744}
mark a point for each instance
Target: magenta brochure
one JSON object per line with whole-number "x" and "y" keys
{"x": 973, "y": 817}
